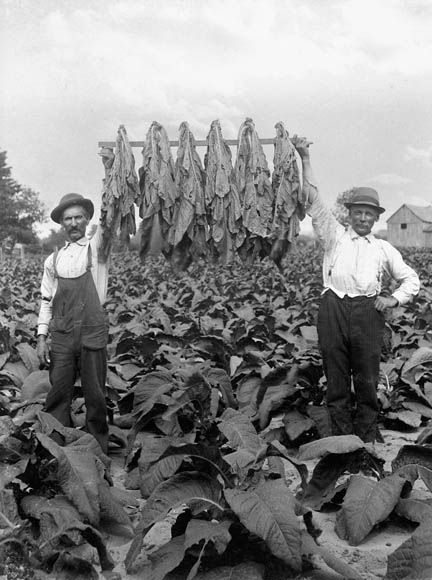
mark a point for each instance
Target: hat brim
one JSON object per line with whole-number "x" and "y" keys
{"x": 377, "y": 207}
{"x": 57, "y": 212}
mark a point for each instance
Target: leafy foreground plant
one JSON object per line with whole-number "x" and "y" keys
{"x": 222, "y": 487}
{"x": 54, "y": 497}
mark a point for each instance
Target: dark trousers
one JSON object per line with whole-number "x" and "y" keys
{"x": 350, "y": 332}
{"x": 66, "y": 363}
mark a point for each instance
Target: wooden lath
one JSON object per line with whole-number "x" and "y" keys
{"x": 202, "y": 143}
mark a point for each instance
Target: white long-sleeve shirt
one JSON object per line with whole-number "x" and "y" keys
{"x": 353, "y": 265}
{"x": 71, "y": 263}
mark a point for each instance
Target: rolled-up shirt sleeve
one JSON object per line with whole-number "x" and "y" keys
{"x": 325, "y": 225}
{"x": 47, "y": 292}
{"x": 404, "y": 275}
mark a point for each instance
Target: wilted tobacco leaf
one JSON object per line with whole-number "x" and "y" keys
{"x": 366, "y": 503}
{"x": 332, "y": 444}
{"x": 268, "y": 512}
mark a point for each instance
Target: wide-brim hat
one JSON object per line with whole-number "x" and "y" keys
{"x": 365, "y": 196}
{"x": 67, "y": 201}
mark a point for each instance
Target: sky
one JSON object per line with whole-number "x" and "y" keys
{"x": 354, "y": 76}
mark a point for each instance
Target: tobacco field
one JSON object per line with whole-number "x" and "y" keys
{"x": 221, "y": 462}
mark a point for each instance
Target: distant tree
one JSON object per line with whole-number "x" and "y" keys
{"x": 20, "y": 208}
{"x": 339, "y": 209}
{"x": 55, "y": 239}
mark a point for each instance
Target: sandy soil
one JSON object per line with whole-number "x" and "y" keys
{"x": 369, "y": 558}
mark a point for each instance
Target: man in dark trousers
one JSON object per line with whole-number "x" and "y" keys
{"x": 351, "y": 311}
{"x": 73, "y": 288}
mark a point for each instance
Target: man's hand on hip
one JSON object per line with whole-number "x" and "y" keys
{"x": 383, "y": 302}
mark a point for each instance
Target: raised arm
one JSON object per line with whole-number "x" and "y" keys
{"x": 325, "y": 224}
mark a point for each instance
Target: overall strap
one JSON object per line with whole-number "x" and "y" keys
{"x": 89, "y": 258}
{"x": 56, "y": 251}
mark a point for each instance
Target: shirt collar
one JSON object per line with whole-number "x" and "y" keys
{"x": 354, "y": 235}
{"x": 81, "y": 242}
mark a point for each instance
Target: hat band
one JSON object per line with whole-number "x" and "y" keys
{"x": 364, "y": 200}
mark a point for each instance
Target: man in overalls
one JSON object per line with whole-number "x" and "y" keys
{"x": 73, "y": 288}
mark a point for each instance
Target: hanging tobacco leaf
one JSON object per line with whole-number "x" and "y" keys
{"x": 288, "y": 205}
{"x": 222, "y": 198}
{"x": 255, "y": 192}
{"x": 190, "y": 232}
{"x": 120, "y": 192}
{"x": 158, "y": 193}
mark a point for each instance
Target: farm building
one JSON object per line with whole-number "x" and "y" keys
{"x": 411, "y": 226}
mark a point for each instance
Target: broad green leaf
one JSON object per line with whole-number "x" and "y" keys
{"x": 28, "y": 356}
{"x": 410, "y": 418}
{"x": 36, "y": 385}
{"x": 216, "y": 532}
{"x": 268, "y": 512}
{"x": 81, "y": 475}
{"x": 9, "y": 472}
{"x": 239, "y": 431}
{"x": 168, "y": 557}
{"x": 310, "y": 547}
{"x": 419, "y": 408}
{"x": 210, "y": 454}
{"x": 411, "y": 472}
{"x": 220, "y": 379}
{"x": 412, "y": 560}
{"x": 196, "y": 490}
{"x": 421, "y": 356}
{"x": 310, "y": 334}
{"x": 16, "y": 372}
{"x": 296, "y": 424}
{"x": 278, "y": 450}
{"x": 152, "y": 476}
{"x": 366, "y": 503}
{"x": 247, "y": 390}
{"x": 415, "y": 454}
{"x": 58, "y": 517}
{"x": 321, "y": 487}
{"x": 416, "y": 510}
{"x": 244, "y": 571}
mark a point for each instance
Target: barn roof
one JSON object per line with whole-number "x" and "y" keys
{"x": 424, "y": 213}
